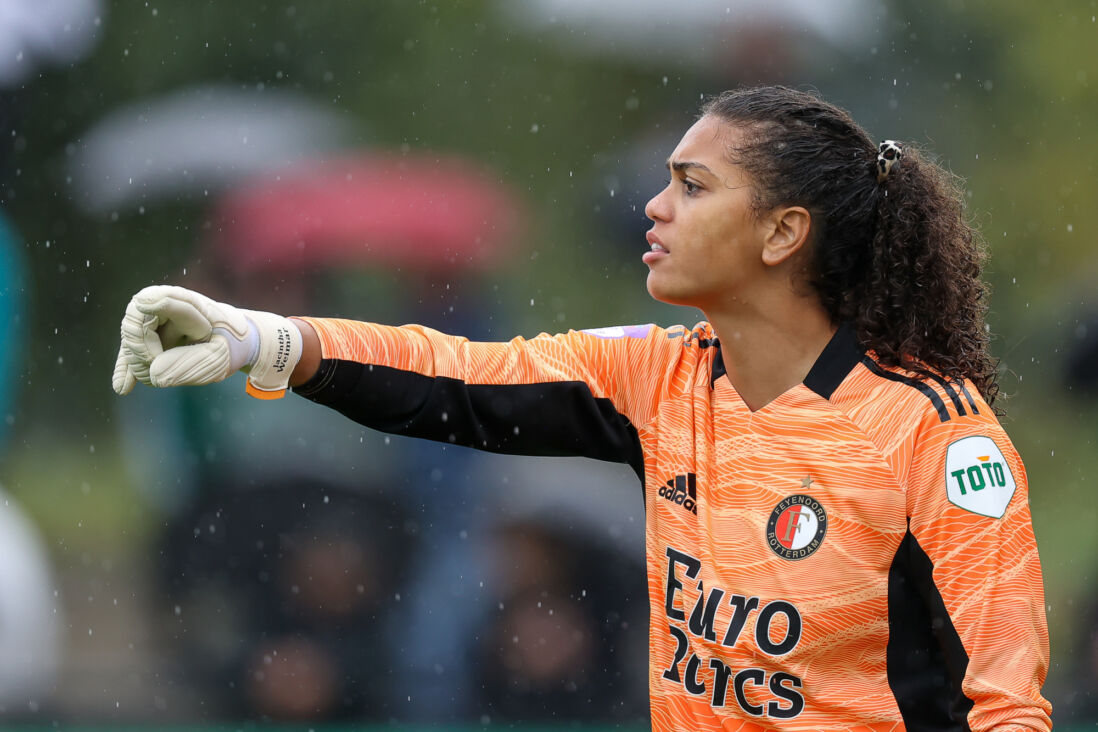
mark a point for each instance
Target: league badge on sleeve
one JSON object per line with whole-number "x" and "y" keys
{"x": 978, "y": 478}
{"x": 620, "y": 331}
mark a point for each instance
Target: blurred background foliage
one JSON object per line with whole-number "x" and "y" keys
{"x": 1002, "y": 92}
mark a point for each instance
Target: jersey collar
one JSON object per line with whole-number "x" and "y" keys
{"x": 839, "y": 357}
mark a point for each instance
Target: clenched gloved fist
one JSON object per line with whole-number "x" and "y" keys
{"x": 172, "y": 336}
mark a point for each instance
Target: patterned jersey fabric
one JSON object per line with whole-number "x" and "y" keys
{"x": 856, "y": 554}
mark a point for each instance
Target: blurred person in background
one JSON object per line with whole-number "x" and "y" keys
{"x": 283, "y": 598}
{"x": 30, "y": 620}
{"x": 558, "y": 646}
{"x": 838, "y": 530}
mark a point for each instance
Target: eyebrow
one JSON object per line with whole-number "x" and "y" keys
{"x": 680, "y": 165}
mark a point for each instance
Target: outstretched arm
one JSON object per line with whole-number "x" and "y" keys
{"x": 578, "y": 393}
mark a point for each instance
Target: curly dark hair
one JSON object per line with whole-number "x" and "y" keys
{"x": 896, "y": 258}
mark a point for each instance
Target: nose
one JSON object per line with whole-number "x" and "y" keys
{"x": 657, "y": 208}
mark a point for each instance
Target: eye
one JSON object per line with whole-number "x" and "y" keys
{"x": 690, "y": 187}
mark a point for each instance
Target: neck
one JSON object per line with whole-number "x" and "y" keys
{"x": 769, "y": 347}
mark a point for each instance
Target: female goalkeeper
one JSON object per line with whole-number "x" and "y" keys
{"x": 838, "y": 531}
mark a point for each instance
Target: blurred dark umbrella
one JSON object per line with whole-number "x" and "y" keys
{"x": 390, "y": 211}
{"x": 197, "y": 140}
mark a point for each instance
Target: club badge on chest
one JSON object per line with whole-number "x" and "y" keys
{"x": 797, "y": 525}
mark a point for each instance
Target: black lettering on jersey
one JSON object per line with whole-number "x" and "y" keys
{"x": 741, "y": 608}
{"x": 702, "y": 618}
{"x": 690, "y": 682}
{"x": 720, "y": 681}
{"x": 756, "y": 676}
{"x": 762, "y": 628}
{"x": 682, "y": 644}
{"x": 693, "y": 566}
{"x": 682, "y": 490}
{"x": 780, "y": 693}
{"x": 795, "y": 698}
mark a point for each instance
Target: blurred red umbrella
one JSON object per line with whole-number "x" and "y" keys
{"x": 414, "y": 211}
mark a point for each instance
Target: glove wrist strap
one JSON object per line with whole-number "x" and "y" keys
{"x": 280, "y": 348}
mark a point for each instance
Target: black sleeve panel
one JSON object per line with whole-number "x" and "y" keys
{"x": 925, "y": 658}
{"x": 553, "y": 418}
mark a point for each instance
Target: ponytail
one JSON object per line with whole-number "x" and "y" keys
{"x": 891, "y": 250}
{"x": 924, "y": 302}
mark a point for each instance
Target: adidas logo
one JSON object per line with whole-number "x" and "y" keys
{"x": 682, "y": 490}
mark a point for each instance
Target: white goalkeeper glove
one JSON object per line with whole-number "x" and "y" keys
{"x": 172, "y": 336}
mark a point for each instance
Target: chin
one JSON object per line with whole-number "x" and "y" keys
{"x": 667, "y": 294}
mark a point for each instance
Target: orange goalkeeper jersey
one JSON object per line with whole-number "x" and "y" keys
{"x": 857, "y": 554}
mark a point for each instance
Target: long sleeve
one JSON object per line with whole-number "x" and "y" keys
{"x": 579, "y": 393}
{"x": 969, "y": 566}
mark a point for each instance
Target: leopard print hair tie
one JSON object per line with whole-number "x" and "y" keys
{"x": 889, "y": 153}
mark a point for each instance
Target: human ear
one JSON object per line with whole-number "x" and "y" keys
{"x": 787, "y": 232}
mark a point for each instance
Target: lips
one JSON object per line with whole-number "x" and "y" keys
{"x": 656, "y": 249}
{"x": 655, "y": 244}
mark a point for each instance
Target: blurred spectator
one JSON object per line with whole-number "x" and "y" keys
{"x": 13, "y": 299}
{"x": 1078, "y": 703}
{"x": 1080, "y": 374}
{"x": 30, "y": 623}
{"x": 559, "y": 646}
{"x": 286, "y": 599}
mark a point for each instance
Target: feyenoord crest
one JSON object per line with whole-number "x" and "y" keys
{"x": 797, "y": 526}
